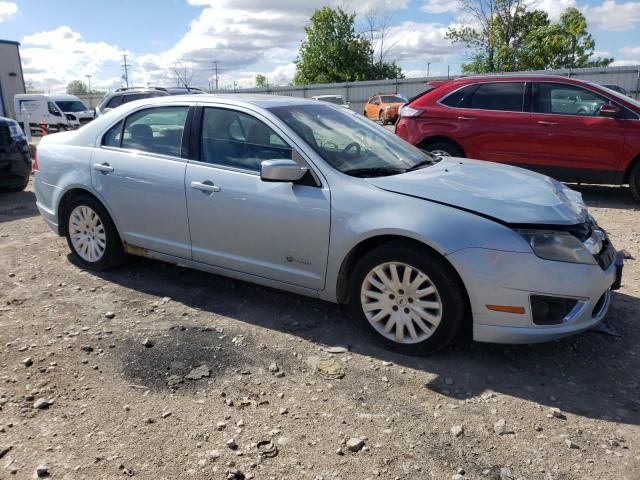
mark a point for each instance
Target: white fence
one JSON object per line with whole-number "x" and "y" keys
{"x": 357, "y": 93}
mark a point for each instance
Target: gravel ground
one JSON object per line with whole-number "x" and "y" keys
{"x": 158, "y": 372}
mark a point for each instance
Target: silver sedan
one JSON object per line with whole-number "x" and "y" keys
{"x": 314, "y": 199}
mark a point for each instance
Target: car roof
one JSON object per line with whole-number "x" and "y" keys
{"x": 517, "y": 76}
{"x": 255, "y": 99}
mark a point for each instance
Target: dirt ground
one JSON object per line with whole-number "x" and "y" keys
{"x": 82, "y": 396}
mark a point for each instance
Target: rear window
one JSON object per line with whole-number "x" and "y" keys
{"x": 459, "y": 98}
{"x": 503, "y": 96}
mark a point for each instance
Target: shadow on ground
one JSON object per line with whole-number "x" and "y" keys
{"x": 605, "y": 196}
{"x": 17, "y": 205}
{"x": 593, "y": 374}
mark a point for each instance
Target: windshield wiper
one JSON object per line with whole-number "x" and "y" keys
{"x": 374, "y": 171}
{"x": 423, "y": 164}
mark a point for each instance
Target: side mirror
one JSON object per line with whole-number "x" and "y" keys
{"x": 284, "y": 170}
{"x": 609, "y": 111}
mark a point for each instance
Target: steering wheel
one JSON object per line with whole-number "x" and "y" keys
{"x": 355, "y": 146}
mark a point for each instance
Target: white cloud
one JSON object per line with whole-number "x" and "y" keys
{"x": 53, "y": 58}
{"x": 440, "y": 6}
{"x": 554, "y": 8}
{"x": 7, "y": 10}
{"x": 630, "y": 51}
{"x": 612, "y": 16}
{"x": 625, "y": 63}
{"x": 426, "y": 42}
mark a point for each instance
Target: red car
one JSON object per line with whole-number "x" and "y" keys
{"x": 571, "y": 130}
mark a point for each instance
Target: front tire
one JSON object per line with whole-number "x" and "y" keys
{"x": 443, "y": 149}
{"x": 381, "y": 118}
{"x": 91, "y": 235}
{"x": 634, "y": 181}
{"x": 408, "y": 298}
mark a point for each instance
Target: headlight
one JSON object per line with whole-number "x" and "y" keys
{"x": 557, "y": 246}
{"x": 408, "y": 111}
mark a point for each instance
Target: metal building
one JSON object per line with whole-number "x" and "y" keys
{"x": 11, "y": 78}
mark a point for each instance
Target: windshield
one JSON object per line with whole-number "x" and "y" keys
{"x": 393, "y": 99}
{"x": 71, "y": 106}
{"x": 336, "y": 100}
{"x": 351, "y": 143}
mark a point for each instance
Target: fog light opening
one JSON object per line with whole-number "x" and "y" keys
{"x": 547, "y": 310}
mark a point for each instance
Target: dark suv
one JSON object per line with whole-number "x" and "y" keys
{"x": 15, "y": 161}
{"x": 126, "y": 95}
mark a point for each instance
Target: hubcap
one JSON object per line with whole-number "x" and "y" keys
{"x": 440, "y": 153}
{"x": 401, "y": 302}
{"x": 87, "y": 234}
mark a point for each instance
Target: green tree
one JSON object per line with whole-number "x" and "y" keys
{"x": 261, "y": 81}
{"x": 510, "y": 37}
{"x": 334, "y": 52}
{"x": 77, "y": 87}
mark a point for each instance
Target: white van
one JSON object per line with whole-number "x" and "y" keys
{"x": 55, "y": 112}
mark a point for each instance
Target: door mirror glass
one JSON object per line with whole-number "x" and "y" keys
{"x": 610, "y": 111}
{"x": 283, "y": 170}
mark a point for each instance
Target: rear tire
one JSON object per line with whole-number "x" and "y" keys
{"x": 91, "y": 234}
{"x": 634, "y": 181}
{"x": 443, "y": 149}
{"x": 408, "y": 298}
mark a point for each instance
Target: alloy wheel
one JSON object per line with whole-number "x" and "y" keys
{"x": 87, "y": 234}
{"x": 401, "y": 302}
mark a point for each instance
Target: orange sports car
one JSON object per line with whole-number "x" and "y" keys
{"x": 384, "y": 107}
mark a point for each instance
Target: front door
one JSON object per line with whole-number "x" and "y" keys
{"x": 570, "y": 141}
{"x": 278, "y": 231}
{"x": 139, "y": 173}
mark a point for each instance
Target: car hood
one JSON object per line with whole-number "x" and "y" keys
{"x": 506, "y": 194}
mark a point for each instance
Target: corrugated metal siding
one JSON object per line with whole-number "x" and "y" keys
{"x": 357, "y": 93}
{"x": 11, "y": 79}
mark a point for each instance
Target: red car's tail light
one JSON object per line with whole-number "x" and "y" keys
{"x": 35, "y": 159}
{"x": 408, "y": 111}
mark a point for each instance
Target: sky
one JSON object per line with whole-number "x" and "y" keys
{"x": 65, "y": 40}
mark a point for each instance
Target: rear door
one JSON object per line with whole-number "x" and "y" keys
{"x": 570, "y": 141}
{"x": 373, "y": 107}
{"x": 491, "y": 121}
{"x": 139, "y": 172}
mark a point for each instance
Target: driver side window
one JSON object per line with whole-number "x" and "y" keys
{"x": 238, "y": 140}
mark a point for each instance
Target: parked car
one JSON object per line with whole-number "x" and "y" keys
{"x": 15, "y": 161}
{"x": 335, "y": 99}
{"x": 36, "y": 111}
{"x": 126, "y": 95}
{"x": 314, "y": 199}
{"x": 572, "y": 130}
{"x": 384, "y": 107}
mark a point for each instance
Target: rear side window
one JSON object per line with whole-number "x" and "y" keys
{"x": 113, "y": 137}
{"x": 459, "y": 98}
{"x": 503, "y": 96}
{"x": 114, "y": 101}
{"x": 156, "y": 130}
{"x": 239, "y": 140}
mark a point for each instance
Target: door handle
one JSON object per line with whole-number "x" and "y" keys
{"x": 547, "y": 124}
{"x": 205, "y": 186}
{"x": 462, "y": 117}
{"x": 103, "y": 167}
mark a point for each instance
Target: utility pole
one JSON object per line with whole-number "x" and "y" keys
{"x": 428, "y": 68}
{"x": 215, "y": 63}
{"x": 125, "y": 67}
{"x": 88, "y": 77}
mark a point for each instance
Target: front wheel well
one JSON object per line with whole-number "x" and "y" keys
{"x": 364, "y": 247}
{"x": 425, "y": 142}
{"x": 65, "y": 201}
